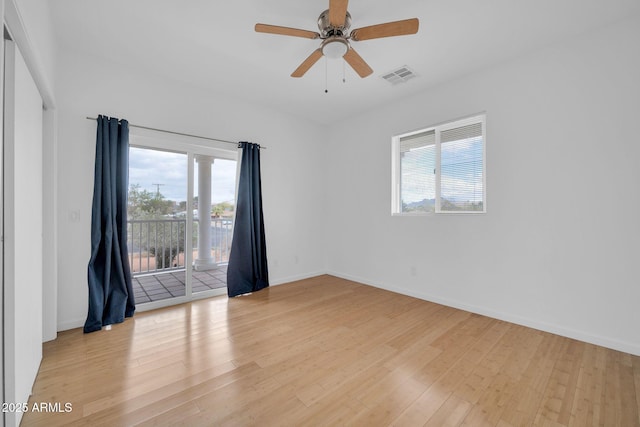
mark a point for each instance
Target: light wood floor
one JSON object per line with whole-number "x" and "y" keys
{"x": 326, "y": 351}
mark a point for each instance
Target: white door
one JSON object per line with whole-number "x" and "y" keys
{"x": 23, "y": 241}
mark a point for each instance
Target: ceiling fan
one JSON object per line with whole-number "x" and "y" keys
{"x": 334, "y": 24}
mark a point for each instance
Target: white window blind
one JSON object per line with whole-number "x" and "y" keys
{"x": 461, "y": 169}
{"x": 417, "y": 167}
{"x": 441, "y": 169}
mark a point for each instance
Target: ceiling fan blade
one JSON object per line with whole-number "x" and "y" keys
{"x": 390, "y": 29}
{"x": 307, "y": 63}
{"x": 337, "y": 12}
{"x": 286, "y": 31}
{"x": 357, "y": 63}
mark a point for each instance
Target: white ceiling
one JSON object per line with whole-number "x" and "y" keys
{"x": 212, "y": 44}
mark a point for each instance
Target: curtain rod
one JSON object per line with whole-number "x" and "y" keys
{"x": 180, "y": 133}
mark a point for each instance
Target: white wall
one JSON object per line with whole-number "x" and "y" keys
{"x": 558, "y": 246}
{"x": 292, "y": 166}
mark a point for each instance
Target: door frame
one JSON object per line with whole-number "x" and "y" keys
{"x": 13, "y": 26}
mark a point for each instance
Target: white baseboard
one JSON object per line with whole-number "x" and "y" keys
{"x": 70, "y": 324}
{"x": 295, "y": 278}
{"x": 623, "y": 346}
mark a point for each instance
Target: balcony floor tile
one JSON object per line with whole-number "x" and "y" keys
{"x": 161, "y": 286}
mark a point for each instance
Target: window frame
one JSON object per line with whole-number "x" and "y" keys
{"x": 396, "y": 193}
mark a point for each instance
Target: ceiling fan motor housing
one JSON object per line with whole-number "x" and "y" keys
{"x": 328, "y": 30}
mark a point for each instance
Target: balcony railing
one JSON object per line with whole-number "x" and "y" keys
{"x": 158, "y": 245}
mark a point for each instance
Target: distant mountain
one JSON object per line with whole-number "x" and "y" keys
{"x": 429, "y": 205}
{"x": 424, "y": 205}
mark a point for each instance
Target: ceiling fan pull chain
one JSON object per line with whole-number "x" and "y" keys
{"x": 344, "y": 72}
{"x": 326, "y": 73}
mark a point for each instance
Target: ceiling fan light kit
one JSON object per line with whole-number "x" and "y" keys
{"x": 334, "y": 47}
{"x": 334, "y": 24}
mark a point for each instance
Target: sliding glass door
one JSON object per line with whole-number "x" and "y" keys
{"x": 157, "y": 223}
{"x": 180, "y": 218}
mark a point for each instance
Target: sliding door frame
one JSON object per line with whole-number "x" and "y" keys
{"x": 191, "y": 146}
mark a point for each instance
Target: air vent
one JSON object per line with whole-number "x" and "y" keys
{"x": 400, "y": 75}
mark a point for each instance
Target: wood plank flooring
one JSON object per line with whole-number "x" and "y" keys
{"x": 325, "y": 352}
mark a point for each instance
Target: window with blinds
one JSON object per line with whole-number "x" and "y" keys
{"x": 440, "y": 169}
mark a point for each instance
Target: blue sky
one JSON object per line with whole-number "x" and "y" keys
{"x": 148, "y": 167}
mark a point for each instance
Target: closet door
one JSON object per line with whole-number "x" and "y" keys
{"x": 23, "y": 218}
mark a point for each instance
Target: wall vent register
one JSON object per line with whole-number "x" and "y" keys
{"x": 400, "y": 75}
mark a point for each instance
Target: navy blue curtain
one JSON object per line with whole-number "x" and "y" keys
{"x": 247, "y": 269}
{"x": 109, "y": 276}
